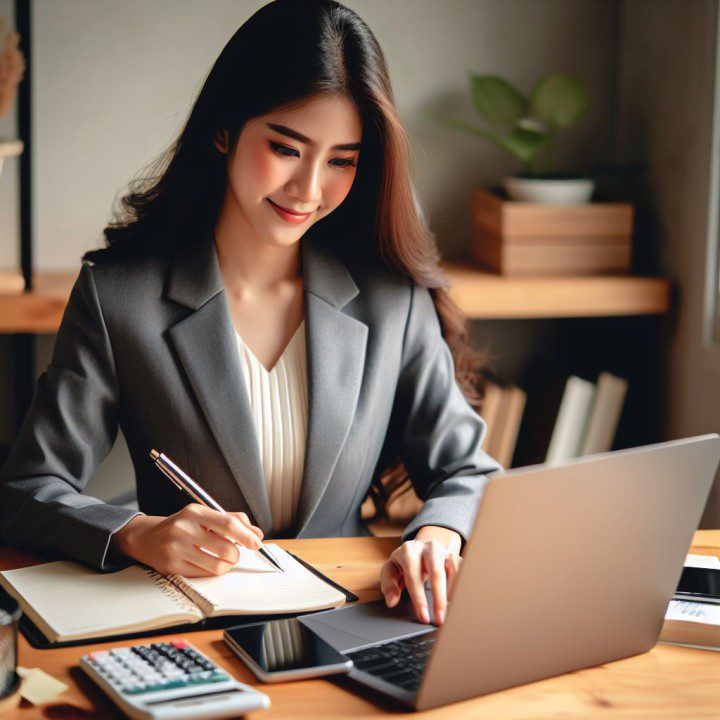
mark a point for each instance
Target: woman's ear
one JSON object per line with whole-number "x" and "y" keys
{"x": 220, "y": 141}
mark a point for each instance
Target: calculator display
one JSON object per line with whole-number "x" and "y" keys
{"x": 284, "y": 645}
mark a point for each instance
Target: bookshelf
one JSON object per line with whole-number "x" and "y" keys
{"x": 480, "y": 294}
{"x": 484, "y": 295}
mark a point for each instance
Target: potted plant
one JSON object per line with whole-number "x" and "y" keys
{"x": 527, "y": 128}
{"x": 12, "y": 67}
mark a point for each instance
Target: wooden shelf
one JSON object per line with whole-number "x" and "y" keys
{"x": 38, "y": 311}
{"x": 481, "y": 295}
{"x": 484, "y": 295}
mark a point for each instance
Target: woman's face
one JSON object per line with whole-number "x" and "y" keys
{"x": 289, "y": 159}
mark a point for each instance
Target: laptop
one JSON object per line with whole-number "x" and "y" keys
{"x": 568, "y": 566}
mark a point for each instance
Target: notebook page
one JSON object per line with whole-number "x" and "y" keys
{"x": 75, "y": 601}
{"x": 249, "y": 560}
{"x": 242, "y": 592}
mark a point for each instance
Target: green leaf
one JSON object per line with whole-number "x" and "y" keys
{"x": 521, "y": 142}
{"x": 524, "y": 143}
{"x": 560, "y": 100}
{"x": 460, "y": 124}
{"x": 496, "y": 99}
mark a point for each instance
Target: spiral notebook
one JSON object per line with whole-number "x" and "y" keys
{"x": 69, "y": 602}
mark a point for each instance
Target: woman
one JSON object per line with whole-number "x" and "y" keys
{"x": 269, "y": 312}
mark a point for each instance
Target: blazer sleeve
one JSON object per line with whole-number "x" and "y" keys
{"x": 442, "y": 435}
{"x": 70, "y": 427}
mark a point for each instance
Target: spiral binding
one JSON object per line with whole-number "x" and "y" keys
{"x": 186, "y": 598}
{"x": 195, "y": 595}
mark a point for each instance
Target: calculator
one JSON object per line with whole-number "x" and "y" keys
{"x": 170, "y": 680}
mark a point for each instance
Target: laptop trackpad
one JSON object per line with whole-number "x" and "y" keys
{"x": 354, "y": 626}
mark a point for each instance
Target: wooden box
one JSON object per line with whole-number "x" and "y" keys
{"x": 519, "y": 238}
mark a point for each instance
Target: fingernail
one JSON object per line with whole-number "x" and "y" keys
{"x": 441, "y": 616}
{"x": 424, "y": 615}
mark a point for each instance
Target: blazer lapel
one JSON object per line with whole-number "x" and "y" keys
{"x": 206, "y": 345}
{"x": 336, "y": 344}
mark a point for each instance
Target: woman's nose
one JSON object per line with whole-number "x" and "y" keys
{"x": 306, "y": 186}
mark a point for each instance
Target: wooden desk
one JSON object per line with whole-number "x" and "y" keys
{"x": 667, "y": 682}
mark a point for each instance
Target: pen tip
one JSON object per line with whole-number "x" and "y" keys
{"x": 154, "y": 454}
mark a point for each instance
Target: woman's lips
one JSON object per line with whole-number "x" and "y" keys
{"x": 290, "y": 217}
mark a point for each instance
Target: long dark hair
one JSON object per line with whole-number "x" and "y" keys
{"x": 287, "y": 53}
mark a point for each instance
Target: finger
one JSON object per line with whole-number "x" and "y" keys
{"x": 209, "y": 564}
{"x": 409, "y": 559}
{"x": 389, "y": 583}
{"x": 184, "y": 533}
{"x": 433, "y": 558}
{"x": 452, "y": 567}
{"x": 223, "y": 524}
{"x": 182, "y": 567}
{"x": 218, "y": 545}
{"x": 243, "y": 517}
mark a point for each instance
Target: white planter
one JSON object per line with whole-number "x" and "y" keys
{"x": 9, "y": 148}
{"x": 549, "y": 191}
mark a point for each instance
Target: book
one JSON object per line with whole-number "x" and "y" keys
{"x": 693, "y": 623}
{"x": 569, "y": 430}
{"x": 604, "y": 414}
{"x": 68, "y": 601}
{"x": 510, "y": 417}
{"x": 491, "y": 413}
{"x": 545, "y": 381}
{"x": 552, "y": 257}
{"x": 526, "y": 239}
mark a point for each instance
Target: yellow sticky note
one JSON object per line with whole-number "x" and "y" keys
{"x": 38, "y": 687}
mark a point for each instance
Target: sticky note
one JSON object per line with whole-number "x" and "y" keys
{"x": 38, "y": 687}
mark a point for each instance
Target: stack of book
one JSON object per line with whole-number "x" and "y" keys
{"x": 588, "y": 417}
{"x": 502, "y": 410}
{"x": 519, "y": 238}
{"x": 586, "y": 423}
{"x": 696, "y": 624}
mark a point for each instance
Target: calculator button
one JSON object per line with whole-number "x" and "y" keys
{"x": 179, "y": 644}
{"x": 217, "y": 677}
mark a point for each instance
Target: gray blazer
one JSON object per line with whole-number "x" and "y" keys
{"x": 148, "y": 345}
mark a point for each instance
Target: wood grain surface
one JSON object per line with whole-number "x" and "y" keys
{"x": 667, "y": 682}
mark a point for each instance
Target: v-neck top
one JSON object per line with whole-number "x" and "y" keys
{"x": 279, "y": 405}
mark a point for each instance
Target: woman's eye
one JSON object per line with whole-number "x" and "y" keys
{"x": 346, "y": 162}
{"x": 285, "y": 151}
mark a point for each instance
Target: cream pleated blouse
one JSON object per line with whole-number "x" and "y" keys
{"x": 278, "y": 400}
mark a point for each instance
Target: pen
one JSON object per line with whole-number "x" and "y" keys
{"x": 184, "y": 482}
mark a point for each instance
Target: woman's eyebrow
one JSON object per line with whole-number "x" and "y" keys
{"x": 289, "y": 132}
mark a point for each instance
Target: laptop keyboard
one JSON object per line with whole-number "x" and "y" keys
{"x": 400, "y": 662}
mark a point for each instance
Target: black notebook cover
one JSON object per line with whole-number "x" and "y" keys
{"x": 37, "y": 638}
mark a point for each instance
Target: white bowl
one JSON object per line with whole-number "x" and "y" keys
{"x": 549, "y": 191}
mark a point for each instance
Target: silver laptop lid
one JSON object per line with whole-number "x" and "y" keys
{"x": 570, "y": 566}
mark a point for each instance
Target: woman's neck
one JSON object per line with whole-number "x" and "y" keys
{"x": 248, "y": 263}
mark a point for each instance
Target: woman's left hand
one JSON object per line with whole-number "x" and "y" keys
{"x": 434, "y": 553}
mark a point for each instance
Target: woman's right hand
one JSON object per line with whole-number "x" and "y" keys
{"x": 172, "y": 544}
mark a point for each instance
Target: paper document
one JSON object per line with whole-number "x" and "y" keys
{"x": 706, "y": 613}
{"x": 703, "y": 561}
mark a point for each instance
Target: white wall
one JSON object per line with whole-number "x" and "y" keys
{"x": 9, "y": 243}
{"x": 9, "y": 210}
{"x": 665, "y": 121}
{"x": 114, "y": 80}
